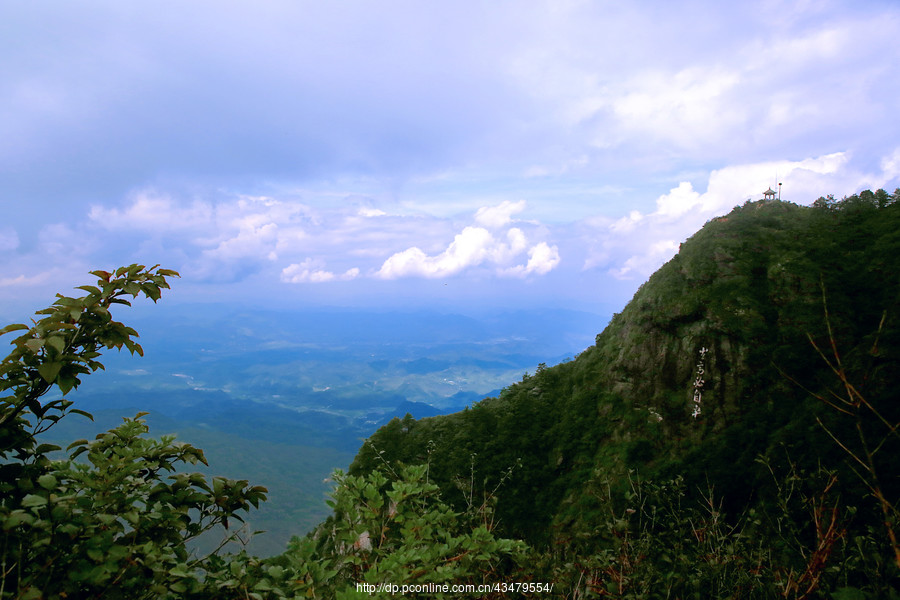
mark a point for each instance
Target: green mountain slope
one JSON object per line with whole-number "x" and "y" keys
{"x": 723, "y": 329}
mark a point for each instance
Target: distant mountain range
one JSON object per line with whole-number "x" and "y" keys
{"x": 283, "y": 398}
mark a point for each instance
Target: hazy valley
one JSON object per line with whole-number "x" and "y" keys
{"x": 283, "y": 398}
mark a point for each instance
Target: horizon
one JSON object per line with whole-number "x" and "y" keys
{"x": 462, "y": 158}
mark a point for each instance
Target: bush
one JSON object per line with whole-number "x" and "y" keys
{"x": 117, "y": 525}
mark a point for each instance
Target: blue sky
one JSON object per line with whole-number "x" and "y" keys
{"x": 452, "y": 154}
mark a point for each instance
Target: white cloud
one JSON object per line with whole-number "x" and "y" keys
{"x": 648, "y": 262}
{"x": 890, "y": 166}
{"x": 635, "y": 245}
{"x": 517, "y": 242}
{"x": 310, "y": 271}
{"x": 371, "y": 212}
{"x": 451, "y": 119}
{"x": 476, "y": 246}
{"x": 150, "y": 211}
{"x": 495, "y": 217}
{"x": 542, "y": 258}
{"x": 687, "y": 108}
{"x": 469, "y": 248}
{"x": 252, "y": 239}
{"x": 678, "y": 201}
{"x": 804, "y": 181}
{"x": 743, "y": 84}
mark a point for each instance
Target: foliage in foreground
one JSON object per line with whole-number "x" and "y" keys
{"x": 118, "y": 522}
{"x": 115, "y": 524}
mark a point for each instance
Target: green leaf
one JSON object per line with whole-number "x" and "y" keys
{"x": 83, "y": 413}
{"x": 13, "y": 327}
{"x": 49, "y": 371}
{"x": 178, "y": 587}
{"x": 48, "y": 482}
{"x": 57, "y": 343}
{"x": 106, "y": 519}
{"x": 68, "y": 302}
{"x": 95, "y": 554}
{"x": 180, "y": 571}
{"x": 34, "y": 344}
{"x": 81, "y": 442}
{"x": 59, "y": 325}
{"x": 66, "y": 383}
{"x": 33, "y": 501}
{"x": 16, "y": 518}
{"x": 152, "y": 291}
{"x": 44, "y": 448}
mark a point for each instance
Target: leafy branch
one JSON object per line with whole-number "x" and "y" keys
{"x": 62, "y": 346}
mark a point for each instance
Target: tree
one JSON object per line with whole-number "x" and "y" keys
{"x": 117, "y": 525}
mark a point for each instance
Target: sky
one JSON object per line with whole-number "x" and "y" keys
{"x": 462, "y": 154}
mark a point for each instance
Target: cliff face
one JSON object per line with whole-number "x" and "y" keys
{"x": 704, "y": 327}
{"x": 705, "y": 369}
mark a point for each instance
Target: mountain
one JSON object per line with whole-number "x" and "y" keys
{"x": 283, "y": 398}
{"x": 712, "y": 375}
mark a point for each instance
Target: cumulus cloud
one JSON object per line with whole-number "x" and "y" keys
{"x": 469, "y": 248}
{"x": 497, "y": 216}
{"x": 678, "y": 201}
{"x": 542, "y": 258}
{"x": 476, "y": 246}
{"x": 628, "y": 222}
{"x": 311, "y": 271}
